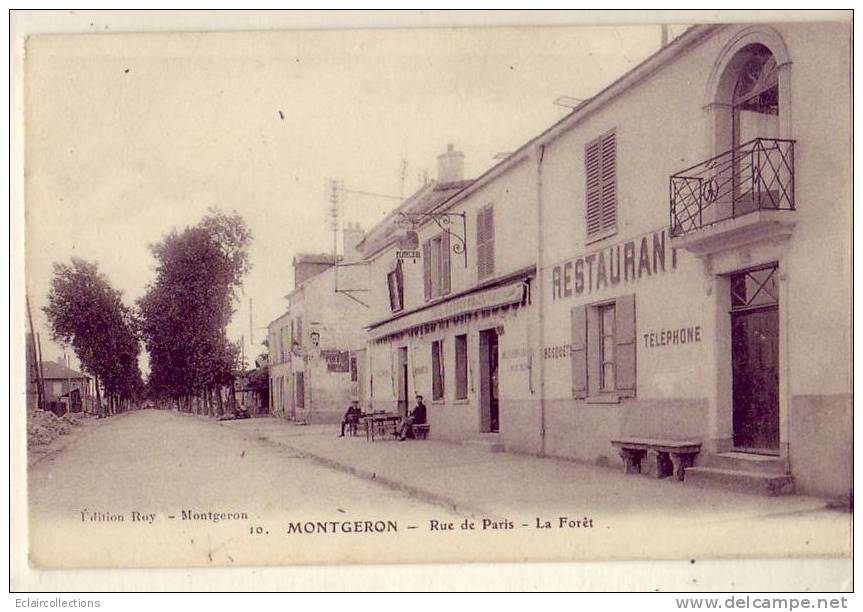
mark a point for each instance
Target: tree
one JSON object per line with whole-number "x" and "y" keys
{"x": 85, "y": 312}
{"x": 186, "y": 309}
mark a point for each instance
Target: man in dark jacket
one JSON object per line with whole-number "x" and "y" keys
{"x": 352, "y": 417}
{"x": 416, "y": 417}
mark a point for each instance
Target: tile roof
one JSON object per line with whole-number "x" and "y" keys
{"x": 53, "y": 370}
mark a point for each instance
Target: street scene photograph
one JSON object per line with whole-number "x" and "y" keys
{"x": 334, "y": 296}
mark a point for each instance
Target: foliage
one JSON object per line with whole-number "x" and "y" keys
{"x": 186, "y": 309}
{"x": 87, "y": 313}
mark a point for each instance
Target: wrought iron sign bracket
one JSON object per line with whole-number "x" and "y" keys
{"x": 458, "y": 243}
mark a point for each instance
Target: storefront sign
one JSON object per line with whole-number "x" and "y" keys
{"x": 337, "y": 361}
{"x": 517, "y": 359}
{"x": 621, "y": 263}
{"x": 408, "y": 255}
{"x": 672, "y": 337}
{"x": 561, "y": 351}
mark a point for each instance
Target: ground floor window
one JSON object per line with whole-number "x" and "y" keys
{"x": 606, "y": 348}
{"x": 603, "y": 349}
{"x": 461, "y": 366}
{"x": 300, "y": 389}
{"x": 437, "y": 370}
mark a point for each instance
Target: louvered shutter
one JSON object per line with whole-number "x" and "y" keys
{"x": 609, "y": 181}
{"x": 480, "y": 244}
{"x": 427, "y": 269}
{"x": 593, "y": 174}
{"x": 446, "y": 278}
{"x": 578, "y": 352}
{"x": 625, "y": 345}
{"x": 489, "y": 241}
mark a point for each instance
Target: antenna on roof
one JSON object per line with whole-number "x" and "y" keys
{"x": 403, "y": 171}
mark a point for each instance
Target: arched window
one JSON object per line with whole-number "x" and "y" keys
{"x": 755, "y": 98}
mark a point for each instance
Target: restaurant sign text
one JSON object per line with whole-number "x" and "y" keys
{"x": 626, "y": 262}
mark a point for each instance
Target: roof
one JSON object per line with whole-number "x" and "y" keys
{"x": 315, "y": 258}
{"x": 426, "y": 198}
{"x": 52, "y": 369}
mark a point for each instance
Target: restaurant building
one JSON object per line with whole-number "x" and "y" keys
{"x": 696, "y": 258}
{"x": 670, "y": 260}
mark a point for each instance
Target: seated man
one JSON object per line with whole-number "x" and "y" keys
{"x": 416, "y": 417}
{"x": 352, "y": 416}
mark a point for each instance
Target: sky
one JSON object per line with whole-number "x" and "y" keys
{"x": 128, "y": 136}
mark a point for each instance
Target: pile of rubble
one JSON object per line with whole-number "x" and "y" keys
{"x": 43, "y": 426}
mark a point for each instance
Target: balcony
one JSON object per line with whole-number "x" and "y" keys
{"x": 742, "y": 196}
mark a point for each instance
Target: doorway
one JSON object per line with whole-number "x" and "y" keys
{"x": 755, "y": 360}
{"x": 403, "y": 391}
{"x": 488, "y": 381}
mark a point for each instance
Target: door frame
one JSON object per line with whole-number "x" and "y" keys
{"x": 718, "y": 269}
{"x": 485, "y": 425}
{"x": 766, "y": 450}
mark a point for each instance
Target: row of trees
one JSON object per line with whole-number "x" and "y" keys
{"x": 182, "y": 318}
{"x": 186, "y": 310}
{"x": 87, "y": 313}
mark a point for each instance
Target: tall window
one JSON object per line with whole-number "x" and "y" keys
{"x": 606, "y": 348}
{"x": 603, "y": 349}
{"x": 601, "y": 181}
{"x": 461, "y": 366}
{"x": 756, "y": 97}
{"x": 437, "y": 370}
{"x": 485, "y": 242}
{"x": 395, "y": 281}
{"x": 436, "y": 261}
{"x": 285, "y": 343}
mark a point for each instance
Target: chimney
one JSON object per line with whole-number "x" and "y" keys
{"x": 352, "y": 235}
{"x": 450, "y": 165}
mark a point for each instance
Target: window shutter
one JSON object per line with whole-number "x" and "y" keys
{"x": 480, "y": 244}
{"x": 489, "y": 241}
{"x": 609, "y": 181}
{"x": 625, "y": 349}
{"x": 446, "y": 279}
{"x": 427, "y": 270}
{"x": 578, "y": 352}
{"x": 593, "y": 181}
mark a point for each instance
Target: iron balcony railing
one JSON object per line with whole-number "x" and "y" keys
{"x": 757, "y": 175}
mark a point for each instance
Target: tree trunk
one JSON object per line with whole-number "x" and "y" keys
{"x": 98, "y": 398}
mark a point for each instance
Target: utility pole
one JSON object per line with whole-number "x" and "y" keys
{"x": 403, "y": 170}
{"x": 251, "y": 325}
{"x": 334, "y": 223}
{"x": 40, "y": 391}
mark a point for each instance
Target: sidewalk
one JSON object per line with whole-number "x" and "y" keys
{"x": 476, "y": 482}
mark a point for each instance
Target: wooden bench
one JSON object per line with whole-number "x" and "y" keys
{"x": 672, "y": 456}
{"x": 421, "y": 431}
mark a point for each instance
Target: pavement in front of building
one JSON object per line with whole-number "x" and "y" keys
{"x": 526, "y": 489}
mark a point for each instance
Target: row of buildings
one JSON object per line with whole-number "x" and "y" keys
{"x": 672, "y": 260}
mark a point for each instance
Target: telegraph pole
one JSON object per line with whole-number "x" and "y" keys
{"x": 334, "y": 222}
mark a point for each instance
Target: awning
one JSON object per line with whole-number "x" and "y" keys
{"x": 487, "y": 299}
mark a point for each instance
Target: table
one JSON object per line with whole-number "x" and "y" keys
{"x": 379, "y": 422}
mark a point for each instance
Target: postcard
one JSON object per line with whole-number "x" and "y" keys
{"x": 453, "y": 294}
